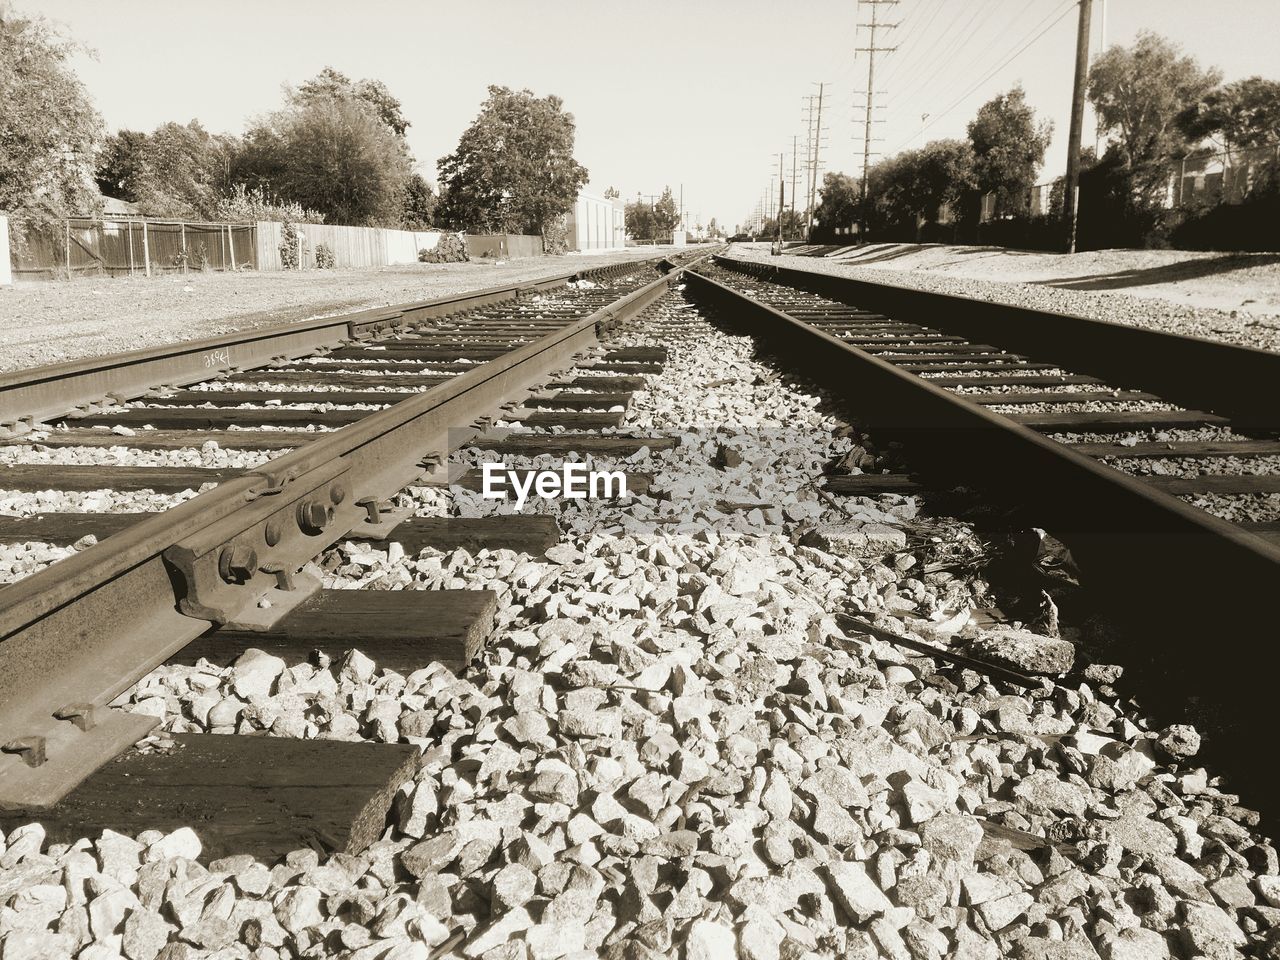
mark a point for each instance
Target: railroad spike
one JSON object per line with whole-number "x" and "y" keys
{"x": 30, "y": 749}
{"x": 283, "y": 573}
{"x": 83, "y": 715}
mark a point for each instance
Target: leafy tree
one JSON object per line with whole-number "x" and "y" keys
{"x": 612, "y": 193}
{"x": 176, "y": 171}
{"x": 838, "y": 202}
{"x": 1008, "y": 148}
{"x": 1240, "y": 115}
{"x": 419, "y": 203}
{"x": 1139, "y": 93}
{"x": 331, "y": 84}
{"x": 48, "y": 126}
{"x": 639, "y": 220}
{"x": 943, "y": 173}
{"x": 713, "y": 229}
{"x": 666, "y": 216}
{"x": 793, "y": 224}
{"x": 513, "y": 169}
{"x": 332, "y": 155}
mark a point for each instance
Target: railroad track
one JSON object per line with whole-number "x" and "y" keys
{"x": 1032, "y": 410}
{"x": 318, "y": 426}
{"x": 738, "y": 706}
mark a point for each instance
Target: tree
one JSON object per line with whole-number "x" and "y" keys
{"x": 1139, "y": 93}
{"x": 1237, "y": 116}
{"x": 666, "y": 216}
{"x": 332, "y": 155}
{"x": 419, "y": 204}
{"x": 331, "y": 84}
{"x": 942, "y": 175}
{"x": 612, "y": 193}
{"x": 176, "y": 171}
{"x": 48, "y": 126}
{"x": 513, "y": 169}
{"x": 793, "y": 224}
{"x": 838, "y": 203}
{"x": 1008, "y": 148}
{"x": 639, "y": 220}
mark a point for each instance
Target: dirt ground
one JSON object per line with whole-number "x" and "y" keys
{"x": 1244, "y": 282}
{"x": 50, "y": 321}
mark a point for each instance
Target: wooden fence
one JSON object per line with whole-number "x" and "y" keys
{"x": 135, "y": 246}
{"x": 351, "y": 246}
{"x": 81, "y": 246}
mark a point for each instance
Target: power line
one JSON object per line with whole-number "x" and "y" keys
{"x": 1004, "y": 63}
{"x": 961, "y": 43}
{"x": 920, "y": 54}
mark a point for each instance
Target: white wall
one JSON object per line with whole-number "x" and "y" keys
{"x": 351, "y": 246}
{"x": 6, "y": 273}
{"x": 596, "y": 223}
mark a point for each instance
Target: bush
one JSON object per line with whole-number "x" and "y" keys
{"x": 289, "y": 259}
{"x": 325, "y": 259}
{"x": 555, "y": 238}
{"x": 248, "y": 205}
{"x": 451, "y": 248}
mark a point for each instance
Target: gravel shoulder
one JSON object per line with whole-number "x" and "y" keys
{"x": 49, "y": 322}
{"x": 1233, "y": 298}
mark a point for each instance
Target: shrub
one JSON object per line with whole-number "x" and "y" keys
{"x": 451, "y": 248}
{"x": 289, "y": 259}
{"x": 325, "y": 259}
{"x": 248, "y": 205}
{"x": 555, "y": 238}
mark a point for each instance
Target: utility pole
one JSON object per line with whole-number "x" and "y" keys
{"x": 1071, "y": 191}
{"x": 782, "y": 200}
{"x": 869, "y": 107}
{"x": 782, "y": 193}
{"x": 813, "y": 168}
{"x": 794, "y": 142}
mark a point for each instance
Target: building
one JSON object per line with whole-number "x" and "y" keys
{"x": 596, "y": 223}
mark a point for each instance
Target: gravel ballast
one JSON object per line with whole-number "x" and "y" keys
{"x": 675, "y": 746}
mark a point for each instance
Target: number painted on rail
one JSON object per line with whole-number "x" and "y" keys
{"x": 217, "y": 358}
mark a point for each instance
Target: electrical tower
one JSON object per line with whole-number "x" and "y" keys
{"x": 869, "y": 106}
{"x": 814, "y": 120}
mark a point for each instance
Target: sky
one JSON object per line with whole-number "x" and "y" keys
{"x": 701, "y": 95}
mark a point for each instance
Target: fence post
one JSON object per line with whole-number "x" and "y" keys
{"x": 67, "y": 224}
{"x": 182, "y": 229}
{"x": 130, "y": 225}
{"x": 146, "y": 248}
{"x": 231, "y": 246}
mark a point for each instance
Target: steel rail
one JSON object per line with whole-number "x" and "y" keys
{"x": 1235, "y": 381}
{"x": 1197, "y": 587}
{"x": 79, "y": 633}
{"x": 33, "y": 396}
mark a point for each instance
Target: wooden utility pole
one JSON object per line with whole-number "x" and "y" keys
{"x": 794, "y": 143}
{"x": 782, "y": 197}
{"x": 1071, "y": 188}
{"x": 869, "y": 107}
{"x": 813, "y": 168}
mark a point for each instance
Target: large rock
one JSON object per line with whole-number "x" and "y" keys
{"x": 1024, "y": 651}
{"x": 855, "y": 891}
{"x": 855, "y": 539}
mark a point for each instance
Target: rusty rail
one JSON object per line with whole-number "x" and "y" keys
{"x": 76, "y": 635}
